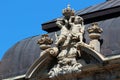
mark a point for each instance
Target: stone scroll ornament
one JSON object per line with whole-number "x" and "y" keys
{"x": 66, "y": 50}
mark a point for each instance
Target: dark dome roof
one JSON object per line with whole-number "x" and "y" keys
{"x": 19, "y": 58}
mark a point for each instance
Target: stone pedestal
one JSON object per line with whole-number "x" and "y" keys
{"x": 94, "y": 34}
{"x": 95, "y": 44}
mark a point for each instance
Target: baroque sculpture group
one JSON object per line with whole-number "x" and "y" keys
{"x": 72, "y": 30}
{"x": 67, "y": 46}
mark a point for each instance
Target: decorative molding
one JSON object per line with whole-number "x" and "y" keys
{"x": 16, "y": 77}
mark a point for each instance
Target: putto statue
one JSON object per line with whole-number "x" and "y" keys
{"x": 72, "y": 30}
{"x": 71, "y": 27}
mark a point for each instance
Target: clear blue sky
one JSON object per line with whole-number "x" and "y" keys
{"x": 20, "y": 19}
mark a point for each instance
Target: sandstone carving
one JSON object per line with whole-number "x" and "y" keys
{"x": 69, "y": 43}
{"x": 94, "y": 34}
{"x": 62, "y": 23}
{"x": 72, "y": 30}
{"x": 45, "y": 42}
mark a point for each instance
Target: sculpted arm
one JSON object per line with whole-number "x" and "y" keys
{"x": 82, "y": 26}
{"x": 59, "y": 22}
{"x": 82, "y": 29}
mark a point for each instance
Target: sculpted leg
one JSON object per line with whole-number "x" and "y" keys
{"x": 81, "y": 37}
{"x": 61, "y": 39}
{"x": 67, "y": 41}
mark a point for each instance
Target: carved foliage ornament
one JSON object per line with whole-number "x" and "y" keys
{"x": 45, "y": 42}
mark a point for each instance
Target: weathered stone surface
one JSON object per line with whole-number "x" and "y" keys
{"x": 74, "y": 58}
{"x": 69, "y": 42}
{"x": 94, "y": 34}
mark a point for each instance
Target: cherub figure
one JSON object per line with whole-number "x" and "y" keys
{"x": 77, "y": 27}
{"x": 76, "y": 30}
{"x": 62, "y": 24}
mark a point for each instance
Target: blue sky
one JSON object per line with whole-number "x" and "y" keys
{"x": 20, "y": 19}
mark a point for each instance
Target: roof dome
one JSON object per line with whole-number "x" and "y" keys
{"x": 19, "y": 58}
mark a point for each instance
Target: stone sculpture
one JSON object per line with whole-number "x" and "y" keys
{"x": 68, "y": 43}
{"x": 45, "y": 44}
{"x": 76, "y": 29}
{"x": 94, "y": 34}
{"x": 62, "y": 23}
{"x": 72, "y": 30}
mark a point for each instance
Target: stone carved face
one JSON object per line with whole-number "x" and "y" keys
{"x": 78, "y": 20}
